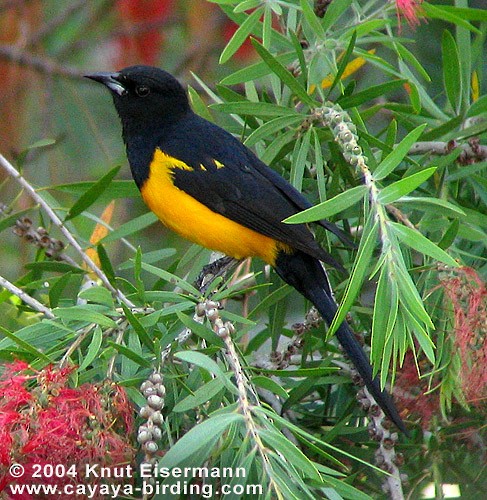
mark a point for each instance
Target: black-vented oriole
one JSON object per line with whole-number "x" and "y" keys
{"x": 211, "y": 189}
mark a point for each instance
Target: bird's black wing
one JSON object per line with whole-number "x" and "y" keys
{"x": 229, "y": 179}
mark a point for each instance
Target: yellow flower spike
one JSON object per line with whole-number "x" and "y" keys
{"x": 352, "y": 67}
{"x": 98, "y": 234}
{"x": 475, "y": 86}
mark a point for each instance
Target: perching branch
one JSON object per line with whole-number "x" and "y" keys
{"x": 41, "y": 64}
{"x": 12, "y": 171}
{"x": 30, "y": 301}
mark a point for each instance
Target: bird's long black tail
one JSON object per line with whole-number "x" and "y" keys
{"x": 307, "y": 276}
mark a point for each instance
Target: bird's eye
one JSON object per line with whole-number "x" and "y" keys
{"x": 142, "y": 90}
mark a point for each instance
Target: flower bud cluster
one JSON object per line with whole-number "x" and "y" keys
{"x": 148, "y": 434}
{"x": 39, "y": 237}
{"x": 344, "y": 131}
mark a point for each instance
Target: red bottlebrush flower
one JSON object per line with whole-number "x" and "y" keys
{"x": 411, "y": 393}
{"x": 42, "y": 421}
{"x": 142, "y": 17}
{"x": 409, "y": 9}
{"x": 468, "y": 295}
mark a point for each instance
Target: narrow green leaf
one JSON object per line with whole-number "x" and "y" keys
{"x": 25, "y": 345}
{"x": 98, "y": 295}
{"x": 452, "y": 75}
{"x": 240, "y": 35}
{"x": 58, "y": 288}
{"x": 272, "y": 127}
{"x": 269, "y": 384}
{"x": 259, "y": 109}
{"x": 138, "y": 328}
{"x": 202, "y": 436}
{"x": 204, "y": 361}
{"x": 386, "y": 305}
{"x": 369, "y": 94}
{"x": 256, "y": 70}
{"x": 132, "y": 355}
{"x": 438, "y": 12}
{"x": 105, "y": 263}
{"x": 92, "y": 194}
{"x": 329, "y": 207}
{"x": 200, "y": 396}
{"x": 393, "y": 159}
{"x": 93, "y": 348}
{"x": 312, "y": 19}
{"x": 420, "y": 243}
{"x": 478, "y": 107}
{"x": 198, "y": 105}
{"x": 394, "y": 191}
{"x": 56, "y": 267}
{"x": 9, "y": 221}
{"x": 333, "y": 12}
{"x": 172, "y": 278}
{"x": 131, "y": 227}
{"x": 85, "y": 314}
{"x": 344, "y": 60}
{"x": 284, "y": 447}
{"x": 442, "y": 204}
{"x": 360, "y": 267}
{"x": 284, "y": 74}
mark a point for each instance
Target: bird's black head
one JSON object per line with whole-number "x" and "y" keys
{"x": 146, "y": 98}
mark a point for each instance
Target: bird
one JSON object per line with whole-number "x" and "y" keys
{"x": 211, "y": 189}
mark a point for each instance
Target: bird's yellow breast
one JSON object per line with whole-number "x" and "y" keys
{"x": 196, "y": 222}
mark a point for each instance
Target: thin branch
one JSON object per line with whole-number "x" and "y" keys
{"x": 12, "y": 171}
{"x": 41, "y": 64}
{"x": 35, "y": 304}
{"x": 471, "y": 151}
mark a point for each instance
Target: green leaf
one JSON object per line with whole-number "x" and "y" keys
{"x": 452, "y": 73}
{"x": 97, "y": 294}
{"x": 118, "y": 189}
{"x": 284, "y": 74}
{"x": 344, "y": 60}
{"x": 333, "y": 12}
{"x": 200, "y": 396}
{"x": 93, "y": 348}
{"x": 85, "y": 314}
{"x": 257, "y": 70}
{"x": 442, "y": 204}
{"x": 400, "y": 188}
{"x": 369, "y": 94}
{"x": 55, "y": 267}
{"x": 386, "y": 305}
{"x": 420, "y": 243}
{"x": 202, "y": 436}
{"x": 171, "y": 278}
{"x": 240, "y": 35}
{"x": 329, "y": 207}
{"x": 360, "y": 267}
{"x": 92, "y": 194}
{"x": 293, "y": 455}
{"x": 478, "y": 107}
{"x": 132, "y": 355}
{"x": 271, "y": 385}
{"x": 57, "y": 289}
{"x": 393, "y": 159}
{"x": 138, "y": 328}
{"x": 9, "y": 221}
{"x": 271, "y": 127}
{"x": 438, "y": 12}
{"x": 312, "y": 19}
{"x": 259, "y": 109}
{"x": 131, "y": 227}
{"x": 25, "y": 345}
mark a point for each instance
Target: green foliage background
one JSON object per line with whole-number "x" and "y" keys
{"x": 278, "y": 106}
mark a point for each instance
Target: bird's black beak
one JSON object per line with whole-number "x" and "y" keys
{"x": 110, "y": 80}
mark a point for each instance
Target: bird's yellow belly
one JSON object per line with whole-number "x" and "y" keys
{"x": 194, "y": 221}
